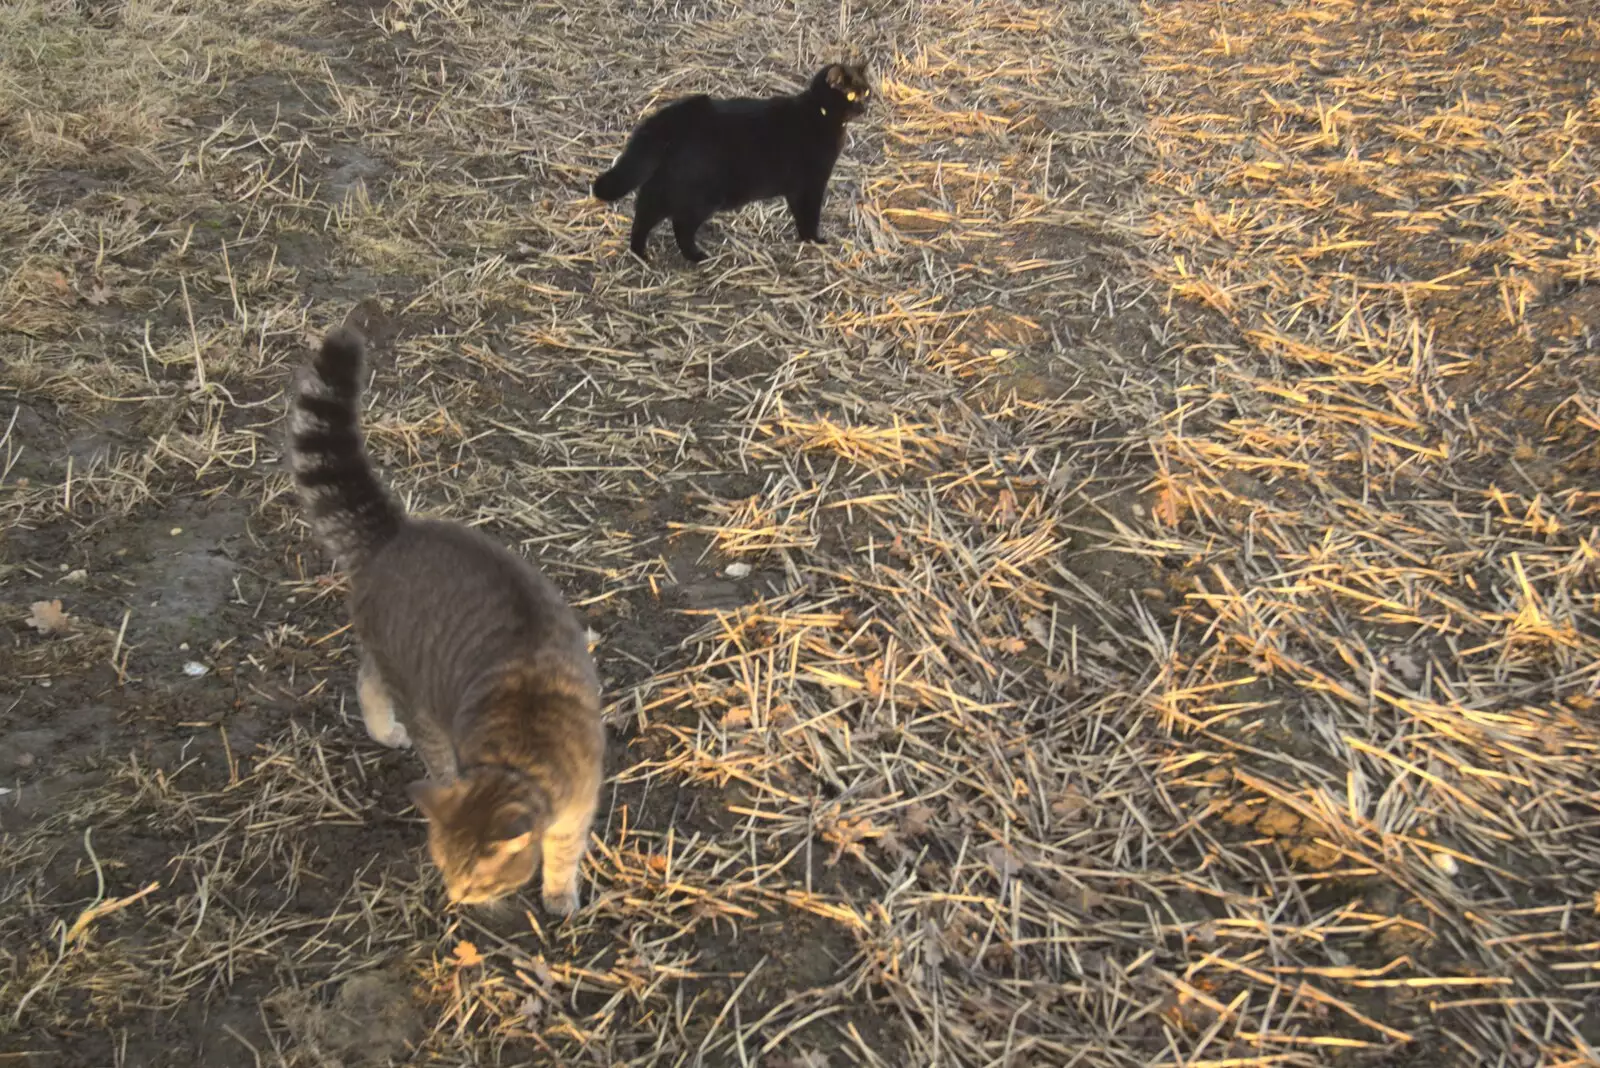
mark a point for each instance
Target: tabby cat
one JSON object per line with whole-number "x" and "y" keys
{"x": 700, "y": 155}
{"x": 467, "y": 652}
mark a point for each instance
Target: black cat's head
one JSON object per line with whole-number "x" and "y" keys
{"x": 841, "y": 90}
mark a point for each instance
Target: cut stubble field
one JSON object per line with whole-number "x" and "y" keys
{"x": 1131, "y": 599}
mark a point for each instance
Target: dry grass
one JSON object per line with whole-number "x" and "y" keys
{"x": 1130, "y": 600}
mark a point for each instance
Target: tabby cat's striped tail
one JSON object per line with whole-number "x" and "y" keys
{"x": 351, "y": 514}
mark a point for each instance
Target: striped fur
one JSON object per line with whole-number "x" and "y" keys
{"x": 351, "y": 514}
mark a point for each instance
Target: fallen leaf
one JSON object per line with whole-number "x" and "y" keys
{"x": 1315, "y": 854}
{"x": 46, "y": 617}
{"x": 1238, "y": 814}
{"x": 736, "y": 716}
{"x": 466, "y": 954}
{"x": 1168, "y": 507}
{"x": 1006, "y": 506}
{"x": 541, "y": 972}
{"x": 1406, "y": 666}
{"x": 808, "y": 1059}
{"x": 1005, "y": 863}
{"x": 98, "y": 294}
{"x": 915, "y": 819}
{"x": 847, "y": 836}
{"x": 1278, "y": 821}
{"x": 933, "y": 944}
{"x": 872, "y": 675}
{"x": 1069, "y": 804}
{"x": 1081, "y": 898}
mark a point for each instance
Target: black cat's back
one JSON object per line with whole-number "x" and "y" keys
{"x": 747, "y": 150}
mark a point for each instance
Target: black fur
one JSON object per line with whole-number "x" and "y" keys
{"x": 699, "y": 155}
{"x": 351, "y": 513}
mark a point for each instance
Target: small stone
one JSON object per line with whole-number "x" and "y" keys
{"x": 194, "y": 669}
{"x": 738, "y": 569}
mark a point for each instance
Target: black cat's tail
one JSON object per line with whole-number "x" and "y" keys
{"x": 647, "y": 146}
{"x": 351, "y": 514}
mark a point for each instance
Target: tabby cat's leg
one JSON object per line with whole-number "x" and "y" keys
{"x": 685, "y": 223}
{"x": 648, "y": 211}
{"x": 433, "y": 745}
{"x": 565, "y": 842}
{"x": 377, "y": 707}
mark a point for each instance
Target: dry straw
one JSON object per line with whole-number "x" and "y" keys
{"x": 1130, "y": 600}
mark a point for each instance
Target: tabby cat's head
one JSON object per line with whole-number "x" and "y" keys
{"x": 484, "y": 833}
{"x": 842, "y": 89}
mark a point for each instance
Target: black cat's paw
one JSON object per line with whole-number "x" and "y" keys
{"x": 816, "y": 239}
{"x": 695, "y": 256}
{"x": 639, "y": 254}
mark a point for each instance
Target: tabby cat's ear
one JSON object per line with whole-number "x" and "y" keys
{"x": 511, "y": 822}
{"x": 504, "y": 847}
{"x": 510, "y": 830}
{"x": 432, "y": 800}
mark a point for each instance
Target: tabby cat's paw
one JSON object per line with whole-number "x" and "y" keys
{"x": 562, "y": 902}
{"x": 395, "y": 737}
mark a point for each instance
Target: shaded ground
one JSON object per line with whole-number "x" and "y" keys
{"x": 1130, "y": 600}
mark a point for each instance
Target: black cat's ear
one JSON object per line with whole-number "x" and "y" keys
{"x": 838, "y": 77}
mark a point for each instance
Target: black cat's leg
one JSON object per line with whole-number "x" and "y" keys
{"x": 797, "y": 212}
{"x": 686, "y": 222}
{"x": 805, "y": 205}
{"x": 807, "y": 211}
{"x": 648, "y": 211}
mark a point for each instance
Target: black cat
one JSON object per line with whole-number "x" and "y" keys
{"x": 698, "y": 155}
